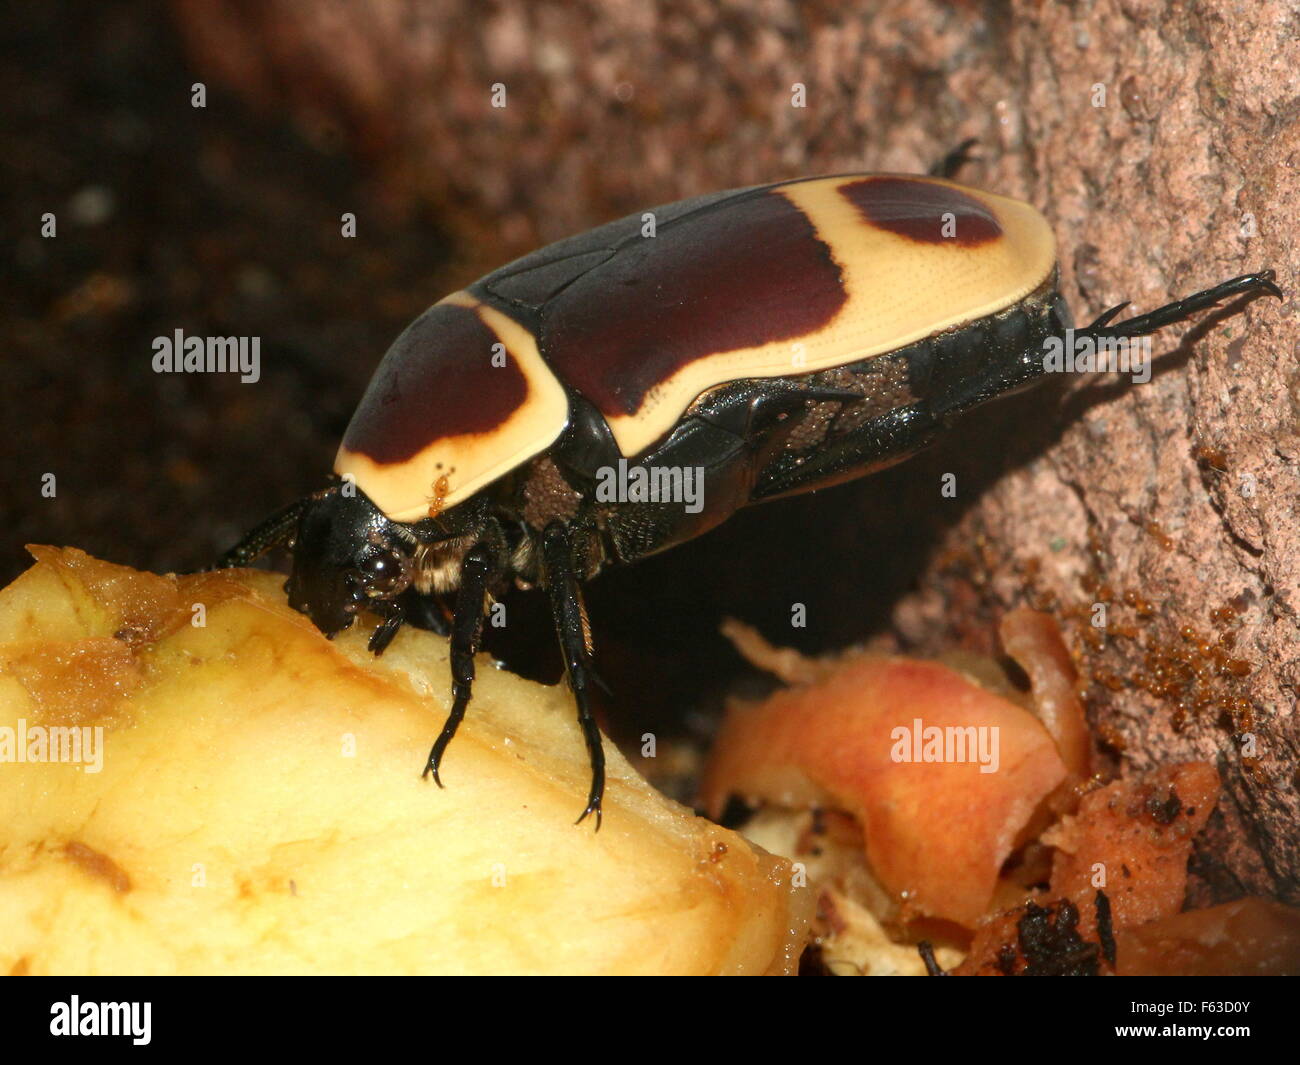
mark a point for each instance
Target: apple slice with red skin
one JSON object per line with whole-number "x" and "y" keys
{"x": 936, "y": 832}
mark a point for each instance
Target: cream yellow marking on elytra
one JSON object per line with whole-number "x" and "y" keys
{"x": 899, "y": 290}
{"x": 461, "y": 465}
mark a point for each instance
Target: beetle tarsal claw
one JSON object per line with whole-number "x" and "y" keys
{"x": 593, "y": 807}
{"x": 434, "y": 763}
{"x": 1106, "y": 317}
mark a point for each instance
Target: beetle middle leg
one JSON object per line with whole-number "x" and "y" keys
{"x": 570, "y": 616}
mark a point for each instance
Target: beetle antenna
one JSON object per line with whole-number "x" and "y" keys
{"x": 1182, "y": 309}
{"x": 275, "y": 531}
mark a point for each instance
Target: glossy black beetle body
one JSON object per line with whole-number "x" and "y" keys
{"x": 734, "y": 348}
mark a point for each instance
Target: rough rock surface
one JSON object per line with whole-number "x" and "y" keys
{"x": 1187, "y": 175}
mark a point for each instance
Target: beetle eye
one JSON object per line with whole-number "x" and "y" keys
{"x": 384, "y": 573}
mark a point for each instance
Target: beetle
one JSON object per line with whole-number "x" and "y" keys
{"x": 770, "y": 341}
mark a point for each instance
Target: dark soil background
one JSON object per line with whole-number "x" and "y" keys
{"x": 172, "y": 217}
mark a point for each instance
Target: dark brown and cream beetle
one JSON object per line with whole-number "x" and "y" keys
{"x": 756, "y": 343}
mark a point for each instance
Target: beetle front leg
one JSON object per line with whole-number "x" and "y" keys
{"x": 393, "y": 614}
{"x": 570, "y": 616}
{"x": 424, "y": 612}
{"x": 476, "y": 574}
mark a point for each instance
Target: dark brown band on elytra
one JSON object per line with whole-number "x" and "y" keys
{"x": 747, "y": 273}
{"x": 439, "y": 379}
{"x": 919, "y": 210}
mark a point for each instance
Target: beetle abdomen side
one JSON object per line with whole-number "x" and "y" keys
{"x": 936, "y": 378}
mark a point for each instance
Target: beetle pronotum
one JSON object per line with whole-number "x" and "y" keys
{"x": 779, "y": 339}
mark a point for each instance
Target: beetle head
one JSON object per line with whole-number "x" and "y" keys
{"x": 346, "y": 554}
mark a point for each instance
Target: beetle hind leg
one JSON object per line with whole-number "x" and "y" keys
{"x": 1180, "y": 310}
{"x": 570, "y": 617}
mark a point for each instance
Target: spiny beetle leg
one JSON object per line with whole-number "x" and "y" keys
{"x": 476, "y": 573}
{"x": 570, "y": 616}
{"x": 1182, "y": 309}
